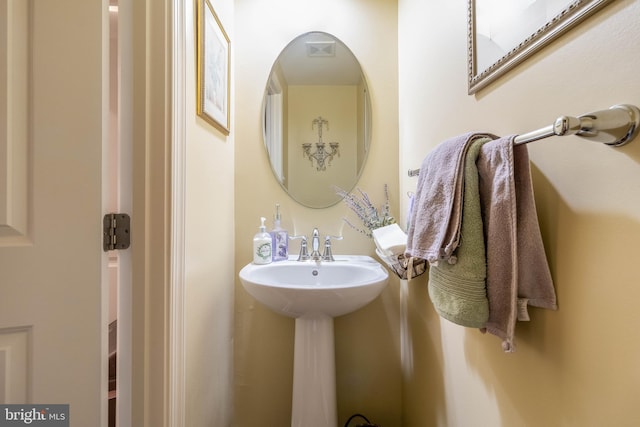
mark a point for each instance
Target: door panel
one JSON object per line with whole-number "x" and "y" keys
{"x": 13, "y": 121}
{"x": 51, "y": 261}
{"x": 14, "y": 364}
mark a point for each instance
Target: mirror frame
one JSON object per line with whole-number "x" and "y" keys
{"x": 368, "y": 122}
{"x": 570, "y": 16}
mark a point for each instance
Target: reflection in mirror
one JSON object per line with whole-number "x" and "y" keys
{"x": 316, "y": 119}
{"x": 502, "y": 25}
{"x": 504, "y": 33}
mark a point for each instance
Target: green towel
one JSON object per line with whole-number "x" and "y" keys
{"x": 458, "y": 291}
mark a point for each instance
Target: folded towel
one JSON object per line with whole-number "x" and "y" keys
{"x": 517, "y": 271}
{"x": 390, "y": 239}
{"x": 434, "y": 230}
{"x": 458, "y": 291}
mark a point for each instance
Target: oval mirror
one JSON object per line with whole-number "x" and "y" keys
{"x": 316, "y": 119}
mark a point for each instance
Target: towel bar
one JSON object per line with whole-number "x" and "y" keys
{"x": 616, "y": 126}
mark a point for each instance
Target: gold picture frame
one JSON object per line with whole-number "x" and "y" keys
{"x": 213, "y": 69}
{"x": 528, "y": 30}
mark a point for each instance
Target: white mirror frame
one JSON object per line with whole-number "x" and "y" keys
{"x": 572, "y": 14}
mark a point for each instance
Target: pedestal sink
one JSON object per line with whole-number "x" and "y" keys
{"x": 313, "y": 293}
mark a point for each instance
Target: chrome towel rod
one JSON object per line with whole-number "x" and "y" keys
{"x": 616, "y": 126}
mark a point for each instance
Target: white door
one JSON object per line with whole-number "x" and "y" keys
{"x": 53, "y": 128}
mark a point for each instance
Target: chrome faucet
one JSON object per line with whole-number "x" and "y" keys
{"x": 315, "y": 247}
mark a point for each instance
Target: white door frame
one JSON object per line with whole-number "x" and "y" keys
{"x": 124, "y": 169}
{"x": 177, "y": 339}
{"x": 152, "y": 237}
{"x": 159, "y": 117}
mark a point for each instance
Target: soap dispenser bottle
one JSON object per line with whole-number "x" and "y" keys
{"x": 280, "y": 239}
{"x": 262, "y": 245}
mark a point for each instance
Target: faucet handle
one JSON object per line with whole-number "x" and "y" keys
{"x": 327, "y": 255}
{"x": 304, "y": 253}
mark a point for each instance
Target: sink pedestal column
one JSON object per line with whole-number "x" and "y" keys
{"x": 314, "y": 373}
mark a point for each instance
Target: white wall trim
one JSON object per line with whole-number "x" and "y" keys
{"x": 178, "y": 178}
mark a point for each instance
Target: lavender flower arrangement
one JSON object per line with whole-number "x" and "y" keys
{"x": 366, "y": 211}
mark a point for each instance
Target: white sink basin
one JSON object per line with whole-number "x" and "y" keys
{"x": 314, "y": 292}
{"x": 294, "y": 288}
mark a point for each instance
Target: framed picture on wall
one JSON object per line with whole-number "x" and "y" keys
{"x": 213, "y": 64}
{"x": 502, "y": 34}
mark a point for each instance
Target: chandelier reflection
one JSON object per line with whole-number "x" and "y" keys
{"x": 321, "y": 155}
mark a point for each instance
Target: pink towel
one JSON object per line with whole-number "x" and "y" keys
{"x": 517, "y": 271}
{"x": 434, "y": 232}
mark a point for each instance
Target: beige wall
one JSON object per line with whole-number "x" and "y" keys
{"x": 577, "y": 366}
{"x": 209, "y": 255}
{"x": 368, "y": 371}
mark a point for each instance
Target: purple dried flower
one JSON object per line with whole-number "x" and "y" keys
{"x": 366, "y": 211}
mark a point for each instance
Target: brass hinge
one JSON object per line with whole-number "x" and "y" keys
{"x": 116, "y": 231}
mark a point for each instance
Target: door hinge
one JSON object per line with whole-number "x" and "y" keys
{"x": 116, "y": 231}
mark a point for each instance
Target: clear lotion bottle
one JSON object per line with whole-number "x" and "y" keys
{"x": 280, "y": 237}
{"x": 262, "y": 245}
